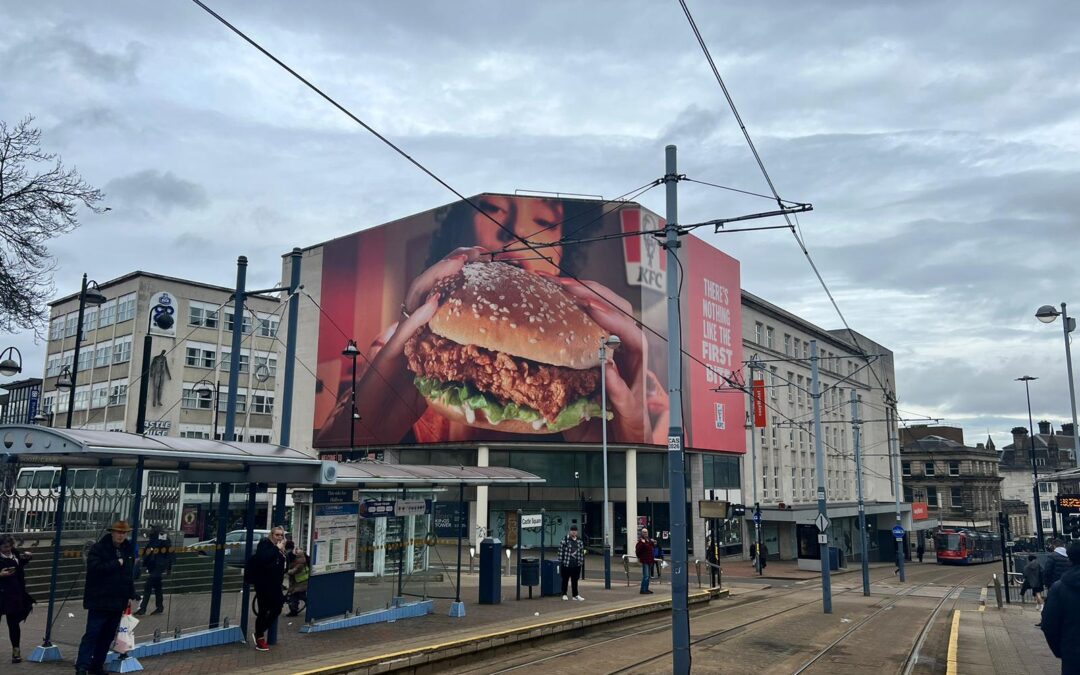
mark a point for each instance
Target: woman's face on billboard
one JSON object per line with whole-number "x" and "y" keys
{"x": 537, "y": 220}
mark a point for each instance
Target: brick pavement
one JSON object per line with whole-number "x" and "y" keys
{"x": 1003, "y": 641}
{"x": 296, "y": 652}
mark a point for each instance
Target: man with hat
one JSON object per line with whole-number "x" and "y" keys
{"x": 110, "y": 586}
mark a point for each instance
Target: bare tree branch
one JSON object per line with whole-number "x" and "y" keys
{"x": 36, "y": 204}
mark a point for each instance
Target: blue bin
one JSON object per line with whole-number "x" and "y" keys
{"x": 550, "y": 580}
{"x": 835, "y": 557}
{"x": 490, "y": 572}
{"x": 530, "y": 572}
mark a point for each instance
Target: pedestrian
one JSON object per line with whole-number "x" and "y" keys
{"x": 571, "y": 560}
{"x": 15, "y": 602}
{"x": 110, "y": 588}
{"x": 265, "y": 570}
{"x": 763, "y": 552}
{"x": 1033, "y": 580}
{"x": 1055, "y": 564}
{"x": 920, "y": 550}
{"x": 299, "y": 573}
{"x": 1061, "y": 615}
{"x": 157, "y": 560}
{"x": 290, "y": 553}
{"x": 644, "y": 552}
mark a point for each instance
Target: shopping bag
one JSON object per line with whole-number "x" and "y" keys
{"x": 125, "y": 634}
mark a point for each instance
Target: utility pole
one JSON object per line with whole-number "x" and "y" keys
{"x": 680, "y": 614}
{"x": 753, "y": 467}
{"x": 857, "y": 436}
{"x": 894, "y": 452}
{"x": 819, "y": 463}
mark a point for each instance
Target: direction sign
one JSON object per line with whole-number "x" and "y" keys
{"x": 823, "y": 538}
{"x": 898, "y": 532}
{"x": 822, "y": 522}
{"x": 757, "y": 517}
{"x": 531, "y": 521}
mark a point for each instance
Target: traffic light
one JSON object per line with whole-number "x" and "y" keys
{"x": 736, "y": 510}
{"x": 1072, "y": 526}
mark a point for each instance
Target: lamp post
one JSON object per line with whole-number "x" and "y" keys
{"x": 1047, "y": 314}
{"x": 12, "y": 364}
{"x": 1026, "y": 379}
{"x": 210, "y": 390}
{"x": 611, "y": 341}
{"x": 64, "y": 381}
{"x": 90, "y": 294}
{"x": 351, "y": 352}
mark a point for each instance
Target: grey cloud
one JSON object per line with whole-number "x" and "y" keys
{"x": 163, "y": 190}
{"x": 62, "y": 48}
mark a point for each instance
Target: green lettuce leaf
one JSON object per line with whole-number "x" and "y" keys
{"x": 460, "y": 394}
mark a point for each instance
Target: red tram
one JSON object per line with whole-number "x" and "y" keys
{"x": 967, "y": 547}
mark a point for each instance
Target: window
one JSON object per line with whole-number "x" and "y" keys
{"x": 194, "y": 433}
{"x": 201, "y": 357}
{"x": 202, "y": 314}
{"x": 67, "y": 358}
{"x": 790, "y": 387}
{"x": 122, "y": 350}
{"x": 1039, "y": 461}
{"x": 259, "y": 438}
{"x": 85, "y": 358}
{"x": 954, "y": 467}
{"x": 909, "y": 495}
{"x": 262, "y": 403}
{"x": 102, "y": 354}
{"x": 100, "y": 396}
{"x": 241, "y": 402}
{"x": 107, "y": 314}
{"x": 931, "y": 497}
{"x": 56, "y": 328}
{"x": 905, "y": 468}
{"x": 195, "y": 399}
{"x": 787, "y": 344}
{"x": 52, "y": 366}
{"x": 928, "y": 469}
{"x": 270, "y": 361}
{"x": 244, "y": 328}
{"x": 89, "y": 318}
{"x": 268, "y": 325}
{"x": 47, "y": 401}
{"x": 798, "y": 347}
{"x": 1045, "y": 487}
{"x": 770, "y": 337}
{"x": 957, "y": 498}
{"x": 118, "y": 392}
{"x": 125, "y": 308}
{"x": 773, "y": 384}
{"x": 82, "y": 398}
{"x": 806, "y": 349}
{"x": 226, "y": 358}
{"x": 70, "y": 323}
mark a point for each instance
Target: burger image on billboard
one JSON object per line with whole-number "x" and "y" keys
{"x": 508, "y": 350}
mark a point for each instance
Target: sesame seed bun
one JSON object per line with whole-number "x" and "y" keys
{"x": 506, "y": 309}
{"x": 457, "y": 414}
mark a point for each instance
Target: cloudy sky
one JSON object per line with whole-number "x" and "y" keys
{"x": 938, "y": 143}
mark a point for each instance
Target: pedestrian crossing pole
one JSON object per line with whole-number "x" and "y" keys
{"x": 819, "y": 463}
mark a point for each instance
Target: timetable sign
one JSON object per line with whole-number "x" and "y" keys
{"x": 1068, "y": 503}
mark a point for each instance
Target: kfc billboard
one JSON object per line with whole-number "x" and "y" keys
{"x": 467, "y": 335}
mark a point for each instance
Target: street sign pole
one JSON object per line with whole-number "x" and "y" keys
{"x": 819, "y": 463}
{"x": 857, "y": 437}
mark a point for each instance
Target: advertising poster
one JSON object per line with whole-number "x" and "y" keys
{"x": 467, "y": 335}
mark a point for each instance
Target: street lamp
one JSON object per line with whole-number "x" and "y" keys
{"x": 89, "y": 294}
{"x": 351, "y": 352}
{"x": 1047, "y": 314}
{"x": 611, "y": 341}
{"x": 1026, "y": 379}
{"x": 12, "y": 365}
{"x": 64, "y": 381}
{"x": 206, "y": 389}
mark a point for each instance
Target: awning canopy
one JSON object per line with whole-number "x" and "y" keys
{"x": 1067, "y": 474}
{"x": 203, "y": 460}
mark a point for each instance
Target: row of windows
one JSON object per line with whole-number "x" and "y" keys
{"x": 197, "y": 399}
{"x": 981, "y": 500}
{"x": 86, "y": 396}
{"x": 199, "y": 355}
{"x": 99, "y": 355}
{"x": 795, "y": 347}
{"x": 930, "y": 468}
{"x": 241, "y": 437}
{"x": 113, "y": 311}
{"x": 209, "y": 316}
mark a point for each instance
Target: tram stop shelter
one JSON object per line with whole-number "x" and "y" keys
{"x": 227, "y": 464}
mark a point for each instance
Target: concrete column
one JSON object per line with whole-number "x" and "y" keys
{"x": 631, "y": 500}
{"x": 481, "y": 498}
{"x": 697, "y": 493}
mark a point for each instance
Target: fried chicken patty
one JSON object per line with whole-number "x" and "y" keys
{"x": 545, "y": 388}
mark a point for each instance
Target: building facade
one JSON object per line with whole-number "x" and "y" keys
{"x": 190, "y": 326}
{"x": 784, "y": 450}
{"x": 1053, "y": 452}
{"x": 23, "y": 401}
{"x": 959, "y": 484}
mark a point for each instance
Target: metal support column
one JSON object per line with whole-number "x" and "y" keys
{"x": 75, "y": 356}
{"x": 819, "y": 465}
{"x": 136, "y": 507}
{"x": 290, "y": 349}
{"x": 680, "y": 613}
{"x": 249, "y": 541}
{"x": 458, "y": 608}
{"x": 234, "y": 356}
{"x": 894, "y": 454}
{"x": 856, "y": 431}
{"x": 224, "y": 490}
{"x": 48, "y": 651}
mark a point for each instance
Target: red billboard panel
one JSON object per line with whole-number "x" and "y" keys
{"x": 760, "y": 420}
{"x": 919, "y": 511}
{"x": 467, "y": 335}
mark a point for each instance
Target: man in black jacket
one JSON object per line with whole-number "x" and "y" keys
{"x": 156, "y": 563}
{"x": 1061, "y": 615}
{"x": 266, "y": 571}
{"x": 1056, "y": 564}
{"x": 110, "y": 586}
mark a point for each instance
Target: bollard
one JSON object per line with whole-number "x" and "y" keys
{"x": 997, "y": 590}
{"x": 697, "y": 563}
{"x": 626, "y": 567}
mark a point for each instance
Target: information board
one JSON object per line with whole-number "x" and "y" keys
{"x": 333, "y": 538}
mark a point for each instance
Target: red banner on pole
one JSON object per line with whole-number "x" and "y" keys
{"x": 759, "y": 403}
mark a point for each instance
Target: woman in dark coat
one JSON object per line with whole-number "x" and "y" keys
{"x": 15, "y": 603}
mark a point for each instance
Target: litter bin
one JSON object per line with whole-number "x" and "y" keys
{"x": 530, "y": 572}
{"x": 834, "y": 558}
{"x": 490, "y": 571}
{"x": 550, "y": 581}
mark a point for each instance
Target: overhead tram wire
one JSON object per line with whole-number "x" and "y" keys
{"x": 530, "y": 245}
{"x": 620, "y": 200}
{"x": 769, "y": 181}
